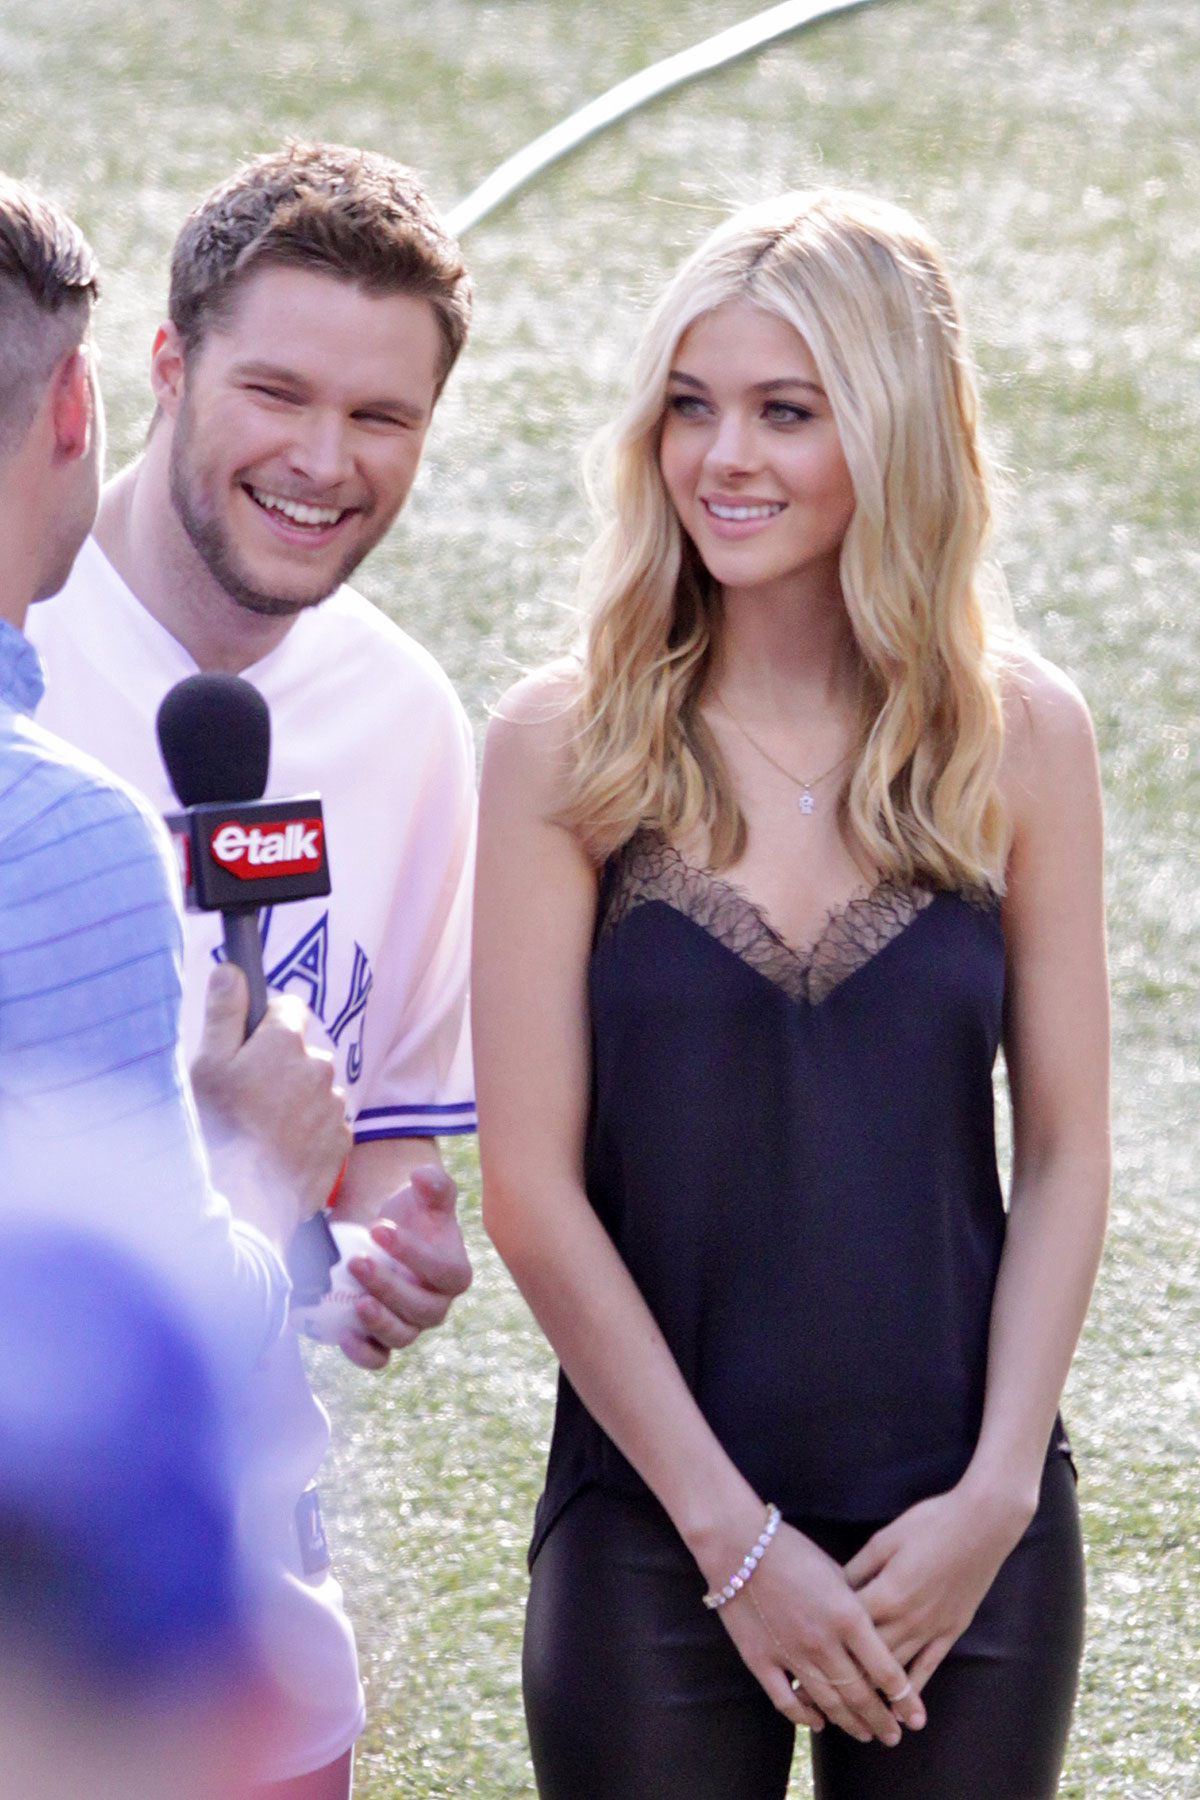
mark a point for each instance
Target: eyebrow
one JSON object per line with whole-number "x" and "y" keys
{"x": 279, "y": 372}
{"x": 760, "y": 387}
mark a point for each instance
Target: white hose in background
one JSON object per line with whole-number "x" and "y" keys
{"x": 635, "y": 91}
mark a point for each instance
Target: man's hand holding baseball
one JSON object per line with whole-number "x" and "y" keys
{"x": 429, "y": 1268}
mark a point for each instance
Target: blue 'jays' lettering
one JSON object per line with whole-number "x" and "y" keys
{"x": 306, "y": 965}
{"x": 355, "y": 1008}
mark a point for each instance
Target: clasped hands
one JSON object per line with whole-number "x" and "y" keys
{"x": 856, "y": 1645}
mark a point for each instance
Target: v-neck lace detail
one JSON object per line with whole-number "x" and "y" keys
{"x": 648, "y": 868}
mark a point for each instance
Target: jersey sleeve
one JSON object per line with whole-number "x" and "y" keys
{"x": 97, "y": 1123}
{"x": 423, "y": 1085}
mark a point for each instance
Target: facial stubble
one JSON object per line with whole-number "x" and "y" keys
{"x": 212, "y": 542}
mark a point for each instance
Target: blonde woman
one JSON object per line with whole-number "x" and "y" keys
{"x": 765, "y": 881}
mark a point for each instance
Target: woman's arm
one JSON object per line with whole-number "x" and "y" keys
{"x": 535, "y": 912}
{"x": 923, "y": 1577}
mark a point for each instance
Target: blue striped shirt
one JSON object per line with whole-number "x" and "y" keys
{"x": 97, "y": 1123}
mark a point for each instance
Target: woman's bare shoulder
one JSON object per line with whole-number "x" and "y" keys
{"x": 1044, "y": 711}
{"x": 531, "y": 731}
{"x": 543, "y": 701}
{"x": 1049, "y": 743}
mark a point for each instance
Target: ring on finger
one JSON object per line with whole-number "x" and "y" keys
{"x": 802, "y": 1694}
{"x": 895, "y": 1699}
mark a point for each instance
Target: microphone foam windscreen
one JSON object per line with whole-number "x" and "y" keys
{"x": 214, "y": 732}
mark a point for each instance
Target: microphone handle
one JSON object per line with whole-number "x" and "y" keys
{"x": 312, "y": 1251}
{"x": 243, "y": 946}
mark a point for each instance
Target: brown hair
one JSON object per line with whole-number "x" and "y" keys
{"x": 344, "y": 212}
{"x": 48, "y": 280}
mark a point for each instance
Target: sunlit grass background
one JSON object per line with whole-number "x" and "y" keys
{"x": 1052, "y": 145}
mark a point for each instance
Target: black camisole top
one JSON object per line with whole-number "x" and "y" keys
{"x": 795, "y": 1157}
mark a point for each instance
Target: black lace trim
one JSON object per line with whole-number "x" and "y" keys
{"x": 648, "y": 868}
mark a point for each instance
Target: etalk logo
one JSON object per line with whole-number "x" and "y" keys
{"x": 293, "y": 847}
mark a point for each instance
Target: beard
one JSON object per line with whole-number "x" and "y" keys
{"x": 214, "y": 545}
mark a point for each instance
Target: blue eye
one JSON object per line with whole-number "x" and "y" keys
{"x": 687, "y": 406}
{"x": 786, "y": 412}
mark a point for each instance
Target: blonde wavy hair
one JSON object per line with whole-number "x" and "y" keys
{"x": 866, "y": 289}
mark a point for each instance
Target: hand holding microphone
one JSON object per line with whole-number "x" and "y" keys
{"x": 269, "y": 1093}
{"x": 264, "y": 1093}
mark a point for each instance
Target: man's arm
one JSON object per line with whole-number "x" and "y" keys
{"x": 96, "y": 1117}
{"x": 420, "y": 1079}
{"x": 377, "y": 1170}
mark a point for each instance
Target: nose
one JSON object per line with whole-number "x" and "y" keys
{"x": 321, "y": 450}
{"x": 731, "y": 448}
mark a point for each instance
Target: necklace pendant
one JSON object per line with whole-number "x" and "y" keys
{"x": 806, "y": 802}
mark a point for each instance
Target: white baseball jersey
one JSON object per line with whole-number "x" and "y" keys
{"x": 363, "y": 716}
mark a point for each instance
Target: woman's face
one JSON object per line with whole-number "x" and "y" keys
{"x": 750, "y": 453}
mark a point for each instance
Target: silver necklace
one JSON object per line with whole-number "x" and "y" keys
{"x": 806, "y": 802}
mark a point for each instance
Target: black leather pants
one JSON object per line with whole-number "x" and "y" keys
{"x": 633, "y": 1691}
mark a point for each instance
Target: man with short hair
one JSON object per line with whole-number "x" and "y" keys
{"x": 98, "y": 1130}
{"x": 96, "y": 1120}
{"x": 317, "y": 306}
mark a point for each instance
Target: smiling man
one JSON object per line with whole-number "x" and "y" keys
{"x": 316, "y": 308}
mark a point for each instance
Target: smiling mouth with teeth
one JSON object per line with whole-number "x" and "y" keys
{"x": 297, "y": 512}
{"x": 741, "y": 514}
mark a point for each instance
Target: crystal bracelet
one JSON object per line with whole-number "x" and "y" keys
{"x": 750, "y": 1562}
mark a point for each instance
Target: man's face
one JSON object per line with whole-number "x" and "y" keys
{"x": 297, "y": 427}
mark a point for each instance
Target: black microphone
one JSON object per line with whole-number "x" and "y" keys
{"x": 241, "y": 852}
{"x": 214, "y": 732}
{"x": 215, "y": 735}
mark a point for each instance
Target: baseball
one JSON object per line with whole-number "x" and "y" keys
{"x": 327, "y": 1318}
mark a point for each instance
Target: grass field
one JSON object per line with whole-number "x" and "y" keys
{"x": 1052, "y": 145}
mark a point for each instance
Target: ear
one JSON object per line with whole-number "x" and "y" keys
{"x": 72, "y": 406}
{"x": 168, "y": 372}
